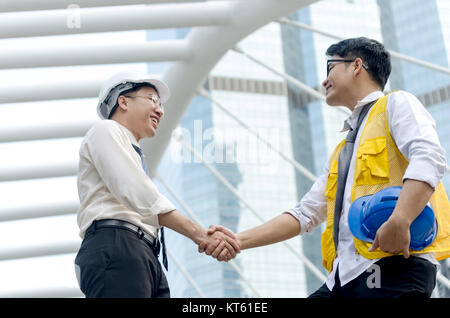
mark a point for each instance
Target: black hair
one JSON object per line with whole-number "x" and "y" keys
{"x": 372, "y": 52}
{"x": 136, "y": 87}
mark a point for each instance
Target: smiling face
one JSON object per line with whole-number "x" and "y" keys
{"x": 339, "y": 82}
{"x": 141, "y": 112}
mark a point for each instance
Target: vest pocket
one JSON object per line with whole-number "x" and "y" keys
{"x": 372, "y": 162}
{"x": 330, "y": 189}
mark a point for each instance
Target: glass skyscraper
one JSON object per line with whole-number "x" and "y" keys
{"x": 258, "y": 98}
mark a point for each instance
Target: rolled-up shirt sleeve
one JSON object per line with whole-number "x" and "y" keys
{"x": 123, "y": 175}
{"x": 312, "y": 208}
{"x": 414, "y": 132}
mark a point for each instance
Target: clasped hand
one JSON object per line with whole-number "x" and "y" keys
{"x": 220, "y": 243}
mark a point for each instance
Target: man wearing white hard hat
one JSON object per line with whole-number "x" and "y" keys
{"x": 121, "y": 210}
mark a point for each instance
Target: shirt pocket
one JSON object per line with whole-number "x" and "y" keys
{"x": 330, "y": 189}
{"x": 372, "y": 162}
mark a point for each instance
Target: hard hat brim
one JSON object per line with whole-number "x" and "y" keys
{"x": 355, "y": 218}
{"x": 420, "y": 224}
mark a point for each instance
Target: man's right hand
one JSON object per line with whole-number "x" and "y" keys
{"x": 220, "y": 243}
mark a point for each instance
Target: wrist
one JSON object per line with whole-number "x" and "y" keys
{"x": 195, "y": 231}
{"x": 401, "y": 221}
{"x": 241, "y": 241}
{"x": 200, "y": 235}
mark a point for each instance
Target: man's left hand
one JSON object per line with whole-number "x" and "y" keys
{"x": 393, "y": 237}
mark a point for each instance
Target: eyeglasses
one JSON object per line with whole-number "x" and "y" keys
{"x": 329, "y": 63}
{"x": 150, "y": 97}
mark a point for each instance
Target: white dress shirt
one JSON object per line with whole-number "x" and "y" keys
{"x": 414, "y": 132}
{"x": 112, "y": 183}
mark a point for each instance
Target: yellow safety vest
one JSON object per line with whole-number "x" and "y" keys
{"x": 379, "y": 164}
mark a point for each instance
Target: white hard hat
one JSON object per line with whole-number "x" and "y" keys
{"x": 117, "y": 84}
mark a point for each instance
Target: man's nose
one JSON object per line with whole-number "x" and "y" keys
{"x": 159, "y": 111}
{"x": 325, "y": 82}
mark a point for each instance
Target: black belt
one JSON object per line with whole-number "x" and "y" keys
{"x": 119, "y": 224}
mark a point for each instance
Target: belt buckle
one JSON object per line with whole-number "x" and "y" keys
{"x": 140, "y": 233}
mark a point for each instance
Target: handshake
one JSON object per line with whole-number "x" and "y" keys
{"x": 220, "y": 243}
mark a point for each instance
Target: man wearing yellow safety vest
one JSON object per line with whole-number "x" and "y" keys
{"x": 395, "y": 144}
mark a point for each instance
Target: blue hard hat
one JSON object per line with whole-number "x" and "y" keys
{"x": 369, "y": 212}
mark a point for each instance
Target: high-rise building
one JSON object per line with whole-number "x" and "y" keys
{"x": 257, "y": 97}
{"x": 207, "y": 198}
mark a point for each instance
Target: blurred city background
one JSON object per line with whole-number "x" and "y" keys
{"x": 241, "y": 143}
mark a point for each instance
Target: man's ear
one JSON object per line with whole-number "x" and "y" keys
{"x": 122, "y": 102}
{"x": 358, "y": 66}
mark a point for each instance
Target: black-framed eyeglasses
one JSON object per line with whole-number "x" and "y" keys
{"x": 329, "y": 63}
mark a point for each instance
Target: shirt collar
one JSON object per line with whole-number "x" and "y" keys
{"x": 129, "y": 134}
{"x": 350, "y": 122}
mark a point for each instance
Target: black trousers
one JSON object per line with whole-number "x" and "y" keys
{"x": 413, "y": 277}
{"x": 116, "y": 263}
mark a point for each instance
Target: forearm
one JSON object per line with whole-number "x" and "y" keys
{"x": 183, "y": 225}
{"x": 414, "y": 196}
{"x": 280, "y": 228}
